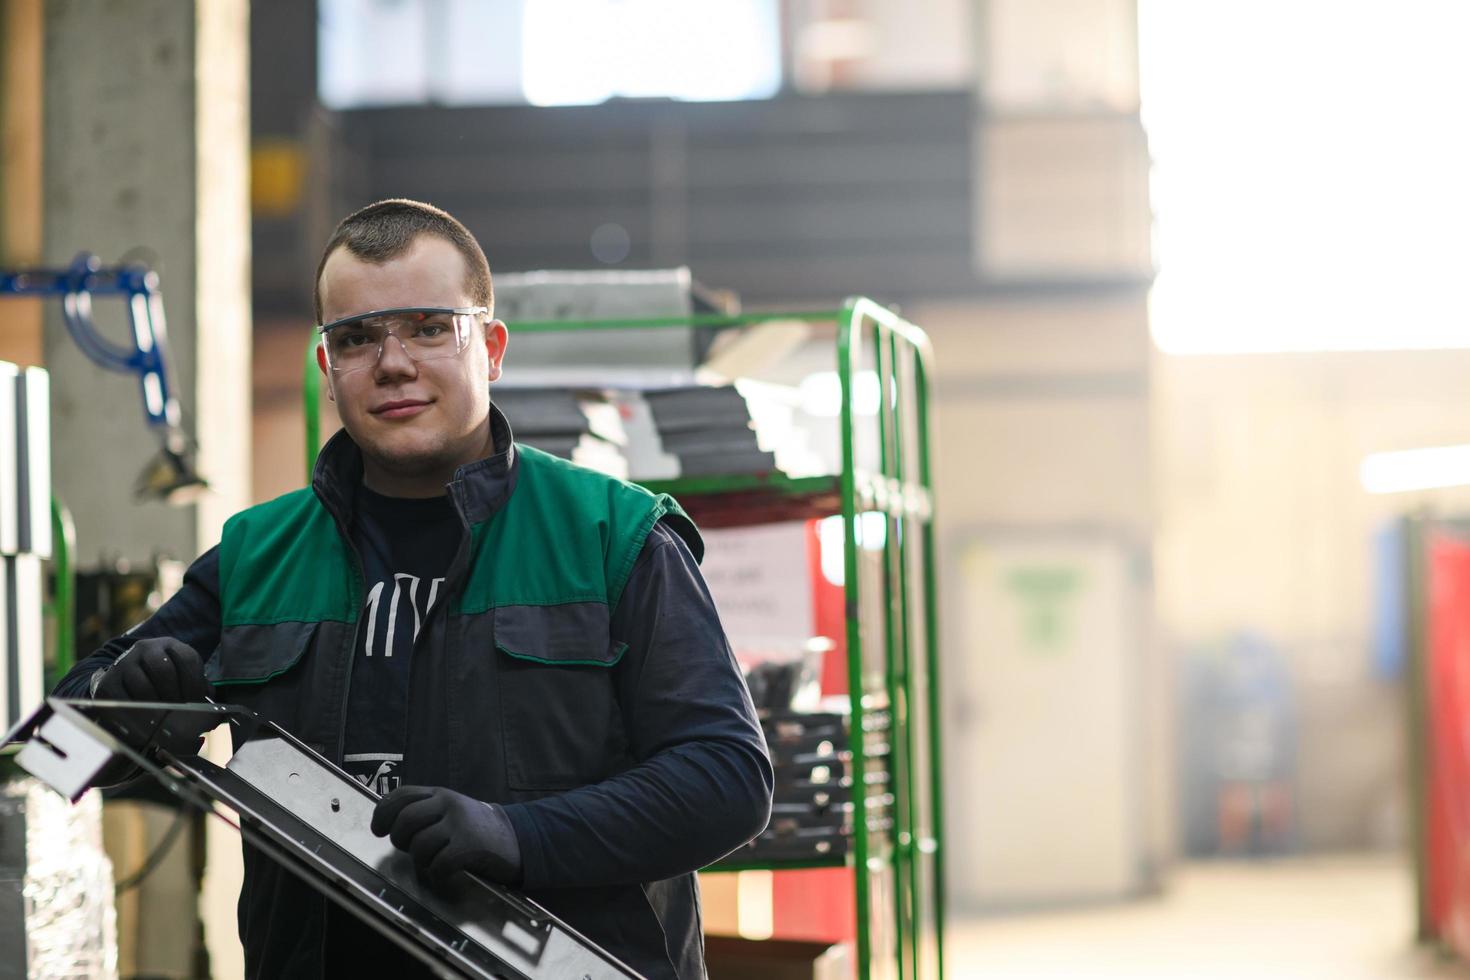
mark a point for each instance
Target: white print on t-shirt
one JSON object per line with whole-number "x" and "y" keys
{"x": 374, "y": 600}
{"x": 385, "y": 778}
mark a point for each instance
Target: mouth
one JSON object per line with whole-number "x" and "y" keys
{"x": 401, "y": 409}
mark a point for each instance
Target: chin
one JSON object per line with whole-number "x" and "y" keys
{"x": 401, "y": 449}
{"x": 408, "y": 458}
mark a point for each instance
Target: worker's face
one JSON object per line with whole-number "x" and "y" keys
{"x": 412, "y": 418}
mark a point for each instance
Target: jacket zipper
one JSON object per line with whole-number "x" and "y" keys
{"x": 346, "y": 693}
{"x": 452, "y": 577}
{"x": 461, "y": 561}
{"x": 451, "y": 582}
{"x": 356, "y": 636}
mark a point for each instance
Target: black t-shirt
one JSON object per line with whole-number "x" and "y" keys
{"x": 406, "y": 546}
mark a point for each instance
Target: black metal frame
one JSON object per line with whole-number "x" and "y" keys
{"x": 310, "y": 816}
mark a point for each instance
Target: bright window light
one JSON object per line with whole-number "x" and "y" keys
{"x": 372, "y": 53}
{"x": 1415, "y": 469}
{"x": 579, "y": 52}
{"x": 548, "y": 52}
{"x": 832, "y": 542}
{"x": 821, "y": 394}
{"x": 871, "y": 534}
{"x": 1310, "y": 174}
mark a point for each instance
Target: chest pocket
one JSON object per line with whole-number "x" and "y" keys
{"x": 558, "y": 706}
{"x": 261, "y": 668}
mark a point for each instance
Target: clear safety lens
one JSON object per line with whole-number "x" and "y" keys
{"x": 358, "y": 344}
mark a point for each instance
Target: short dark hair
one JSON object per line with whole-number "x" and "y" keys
{"x": 386, "y": 229}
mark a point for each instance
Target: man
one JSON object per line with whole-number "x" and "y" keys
{"x": 520, "y": 654}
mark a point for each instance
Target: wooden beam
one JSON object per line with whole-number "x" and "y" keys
{"x": 20, "y": 171}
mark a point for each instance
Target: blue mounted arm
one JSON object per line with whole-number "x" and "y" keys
{"x": 173, "y": 475}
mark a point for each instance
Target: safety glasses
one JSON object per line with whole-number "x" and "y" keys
{"x": 425, "y": 332}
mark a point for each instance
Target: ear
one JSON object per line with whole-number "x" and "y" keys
{"x": 321, "y": 362}
{"x": 497, "y": 338}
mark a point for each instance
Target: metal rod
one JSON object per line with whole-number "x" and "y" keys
{"x": 64, "y": 602}
{"x": 847, "y": 340}
{"x": 311, "y": 404}
{"x": 922, "y": 354}
{"x": 662, "y": 322}
{"x": 892, "y": 679}
{"x": 907, "y": 890}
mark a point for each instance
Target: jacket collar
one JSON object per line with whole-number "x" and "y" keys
{"x": 478, "y": 489}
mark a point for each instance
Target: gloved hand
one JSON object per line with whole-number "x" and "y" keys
{"x": 447, "y": 832}
{"x": 156, "y": 669}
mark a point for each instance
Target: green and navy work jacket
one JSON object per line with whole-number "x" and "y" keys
{"x": 546, "y": 551}
{"x": 622, "y": 766}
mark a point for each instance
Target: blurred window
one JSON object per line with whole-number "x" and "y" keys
{"x": 585, "y": 51}
{"x": 1310, "y": 178}
{"x": 546, "y": 52}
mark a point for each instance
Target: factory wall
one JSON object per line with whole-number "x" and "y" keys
{"x": 1263, "y": 527}
{"x": 1043, "y": 428}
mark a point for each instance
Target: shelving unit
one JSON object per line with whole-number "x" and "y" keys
{"x": 757, "y": 499}
{"x": 883, "y": 493}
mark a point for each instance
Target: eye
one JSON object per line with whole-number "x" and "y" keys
{"x": 354, "y": 338}
{"x": 431, "y": 330}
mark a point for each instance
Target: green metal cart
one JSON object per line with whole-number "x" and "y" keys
{"x": 884, "y": 483}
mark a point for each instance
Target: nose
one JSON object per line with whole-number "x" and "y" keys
{"x": 393, "y": 361}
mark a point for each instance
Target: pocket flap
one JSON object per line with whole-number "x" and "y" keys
{"x": 573, "y": 634}
{"x": 255, "y": 654}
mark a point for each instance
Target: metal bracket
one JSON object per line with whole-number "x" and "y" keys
{"x": 314, "y": 819}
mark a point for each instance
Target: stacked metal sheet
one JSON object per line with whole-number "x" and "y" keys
{"x": 657, "y": 434}
{"x": 626, "y": 358}
{"x": 709, "y": 430}
{"x": 816, "y": 803}
{"x": 647, "y": 459}
{"x": 25, "y": 534}
{"x": 674, "y": 426}
{"x": 581, "y": 425}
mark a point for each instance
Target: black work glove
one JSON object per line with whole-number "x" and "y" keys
{"x": 156, "y": 669}
{"x": 447, "y": 832}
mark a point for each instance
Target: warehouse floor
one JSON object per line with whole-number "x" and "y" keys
{"x": 1339, "y": 917}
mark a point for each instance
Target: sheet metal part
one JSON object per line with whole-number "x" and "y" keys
{"x": 510, "y": 928}
{"x": 315, "y": 819}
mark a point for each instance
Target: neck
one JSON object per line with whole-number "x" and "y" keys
{"x": 420, "y": 480}
{"x": 391, "y": 484}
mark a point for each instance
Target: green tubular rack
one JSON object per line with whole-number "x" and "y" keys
{"x": 62, "y": 609}
{"x": 899, "y": 880}
{"x": 899, "y": 488}
{"x": 311, "y": 401}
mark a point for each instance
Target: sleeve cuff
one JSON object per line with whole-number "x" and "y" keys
{"x": 528, "y": 838}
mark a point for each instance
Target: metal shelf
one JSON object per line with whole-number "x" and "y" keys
{"x": 753, "y": 498}
{"x": 836, "y": 861}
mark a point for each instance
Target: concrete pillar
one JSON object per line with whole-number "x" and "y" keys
{"x": 1049, "y": 391}
{"x": 146, "y": 143}
{"x": 146, "y": 157}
